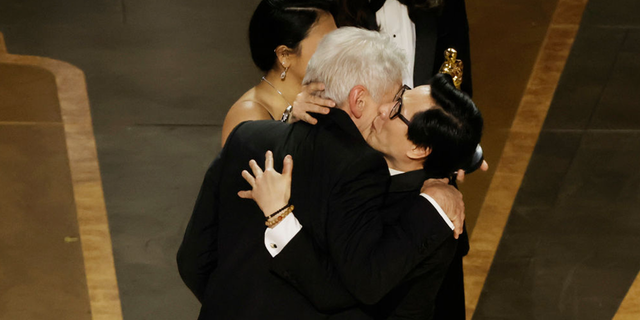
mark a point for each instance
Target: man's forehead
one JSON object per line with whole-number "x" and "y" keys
{"x": 423, "y": 89}
{"x": 393, "y": 89}
{"x": 419, "y": 99}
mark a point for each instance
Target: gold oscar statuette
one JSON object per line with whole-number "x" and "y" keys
{"x": 452, "y": 66}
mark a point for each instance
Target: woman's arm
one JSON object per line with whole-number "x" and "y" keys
{"x": 321, "y": 284}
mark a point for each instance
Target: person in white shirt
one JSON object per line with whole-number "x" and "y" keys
{"x": 424, "y": 29}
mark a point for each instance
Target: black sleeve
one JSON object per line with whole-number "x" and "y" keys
{"x": 307, "y": 269}
{"x": 369, "y": 258}
{"x": 417, "y": 294}
{"x": 198, "y": 254}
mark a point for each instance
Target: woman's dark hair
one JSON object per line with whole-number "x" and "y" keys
{"x": 281, "y": 22}
{"x": 452, "y": 129}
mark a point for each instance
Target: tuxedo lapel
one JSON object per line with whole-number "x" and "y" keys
{"x": 426, "y": 37}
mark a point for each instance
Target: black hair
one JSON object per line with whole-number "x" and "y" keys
{"x": 281, "y": 22}
{"x": 452, "y": 129}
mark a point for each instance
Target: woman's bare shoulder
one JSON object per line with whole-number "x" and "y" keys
{"x": 244, "y": 109}
{"x": 249, "y": 109}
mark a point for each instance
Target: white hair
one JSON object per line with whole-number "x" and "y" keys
{"x": 350, "y": 56}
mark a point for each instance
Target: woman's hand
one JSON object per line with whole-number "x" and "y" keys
{"x": 270, "y": 190}
{"x": 309, "y": 100}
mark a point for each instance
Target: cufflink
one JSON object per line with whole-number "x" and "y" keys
{"x": 274, "y": 246}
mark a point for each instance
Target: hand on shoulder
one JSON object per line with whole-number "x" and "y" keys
{"x": 449, "y": 199}
{"x": 309, "y": 100}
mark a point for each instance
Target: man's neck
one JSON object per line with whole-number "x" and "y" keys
{"x": 403, "y": 166}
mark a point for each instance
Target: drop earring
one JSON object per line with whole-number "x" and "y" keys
{"x": 284, "y": 73}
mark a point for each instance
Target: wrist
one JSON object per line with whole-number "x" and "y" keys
{"x": 278, "y": 216}
{"x": 274, "y": 208}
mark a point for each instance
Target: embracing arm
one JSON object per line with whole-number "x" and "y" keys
{"x": 317, "y": 278}
{"x": 309, "y": 101}
{"x": 366, "y": 258}
{"x": 271, "y": 191}
{"x": 371, "y": 258}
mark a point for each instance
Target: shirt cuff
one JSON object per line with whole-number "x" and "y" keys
{"x": 440, "y": 211}
{"x": 276, "y": 238}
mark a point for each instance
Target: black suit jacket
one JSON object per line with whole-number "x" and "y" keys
{"x": 412, "y": 298}
{"x": 415, "y": 297}
{"x": 338, "y": 188}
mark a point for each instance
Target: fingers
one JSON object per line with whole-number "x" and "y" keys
{"x": 313, "y": 87}
{"x": 268, "y": 160}
{"x": 287, "y": 166}
{"x": 308, "y": 118}
{"x": 459, "y": 220}
{"x": 245, "y": 194}
{"x": 457, "y": 225}
{"x": 484, "y": 166}
{"x": 320, "y": 105}
{"x": 312, "y": 106}
{"x": 249, "y": 178}
{"x": 257, "y": 172}
{"x": 431, "y": 182}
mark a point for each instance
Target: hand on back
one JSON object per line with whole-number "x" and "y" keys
{"x": 449, "y": 199}
{"x": 270, "y": 189}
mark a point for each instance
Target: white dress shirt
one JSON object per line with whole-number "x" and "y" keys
{"x": 276, "y": 238}
{"x": 394, "y": 21}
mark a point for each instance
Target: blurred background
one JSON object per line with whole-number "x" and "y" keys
{"x": 554, "y": 223}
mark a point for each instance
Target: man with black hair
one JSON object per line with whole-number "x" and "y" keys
{"x": 424, "y": 29}
{"x": 427, "y": 132}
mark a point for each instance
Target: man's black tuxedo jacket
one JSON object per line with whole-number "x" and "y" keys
{"x": 338, "y": 187}
{"x": 413, "y": 298}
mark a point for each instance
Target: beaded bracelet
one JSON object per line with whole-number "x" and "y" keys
{"x": 275, "y": 220}
{"x": 275, "y": 213}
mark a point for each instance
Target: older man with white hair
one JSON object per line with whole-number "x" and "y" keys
{"x": 338, "y": 188}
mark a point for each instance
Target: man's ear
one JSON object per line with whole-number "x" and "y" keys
{"x": 418, "y": 153}
{"x": 356, "y": 100}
